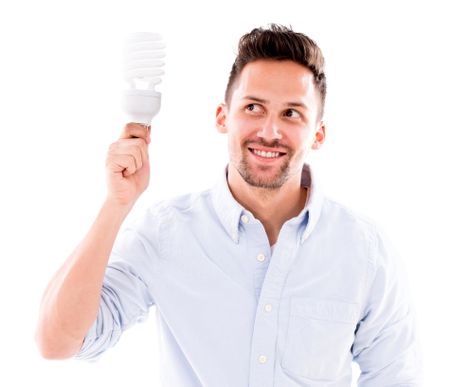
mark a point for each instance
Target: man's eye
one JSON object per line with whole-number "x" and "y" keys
{"x": 253, "y": 107}
{"x": 292, "y": 113}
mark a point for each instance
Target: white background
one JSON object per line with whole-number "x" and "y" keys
{"x": 386, "y": 154}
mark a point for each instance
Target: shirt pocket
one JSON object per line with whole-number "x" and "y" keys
{"x": 319, "y": 338}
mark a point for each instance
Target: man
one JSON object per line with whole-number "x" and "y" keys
{"x": 260, "y": 281}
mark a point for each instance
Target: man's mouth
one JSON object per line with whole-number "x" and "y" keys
{"x": 266, "y": 154}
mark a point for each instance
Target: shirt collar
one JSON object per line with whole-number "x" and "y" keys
{"x": 230, "y": 212}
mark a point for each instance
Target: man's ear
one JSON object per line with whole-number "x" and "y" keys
{"x": 319, "y": 136}
{"x": 221, "y": 117}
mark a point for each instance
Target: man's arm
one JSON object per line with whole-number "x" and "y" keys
{"x": 386, "y": 346}
{"x": 71, "y": 301}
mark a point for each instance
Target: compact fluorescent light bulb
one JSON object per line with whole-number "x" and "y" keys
{"x": 143, "y": 53}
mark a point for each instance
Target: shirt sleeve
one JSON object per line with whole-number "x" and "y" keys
{"x": 125, "y": 296}
{"x": 386, "y": 346}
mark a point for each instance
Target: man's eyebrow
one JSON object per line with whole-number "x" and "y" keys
{"x": 288, "y": 104}
{"x": 255, "y": 99}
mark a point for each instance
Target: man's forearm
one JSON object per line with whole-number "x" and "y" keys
{"x": 70, "y": 303}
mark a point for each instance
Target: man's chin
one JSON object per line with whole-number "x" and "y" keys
{"x": 265, "y": 182}
{"x": 263, "y": 176}
{"x": 270, "y": 186}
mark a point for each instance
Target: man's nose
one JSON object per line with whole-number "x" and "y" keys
{"x": 269, "y": 130}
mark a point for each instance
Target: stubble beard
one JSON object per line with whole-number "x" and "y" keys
{"x": 268, "y": 183}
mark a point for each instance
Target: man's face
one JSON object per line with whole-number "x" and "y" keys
{"x": 273, "y": 108}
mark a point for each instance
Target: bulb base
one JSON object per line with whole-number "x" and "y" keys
{"x": 141, "y": 105}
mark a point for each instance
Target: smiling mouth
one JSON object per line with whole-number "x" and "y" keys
{"x": 267, "y": 155}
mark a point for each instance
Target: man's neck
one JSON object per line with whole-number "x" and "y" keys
{"x": 272, "y": 207}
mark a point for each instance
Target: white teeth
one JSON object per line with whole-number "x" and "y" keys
{"x": 266, "y": 154}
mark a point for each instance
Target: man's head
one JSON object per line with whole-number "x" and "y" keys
{"x": 273, "y": 103}
{"x": 279, "y": 43}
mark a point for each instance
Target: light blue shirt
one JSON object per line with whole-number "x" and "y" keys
{"x": 231, "y": 313}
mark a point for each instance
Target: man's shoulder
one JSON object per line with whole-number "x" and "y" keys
{"x": 356, "y": 223}
{"x": 180, "y": 203}
{"x": 169, "y": 211}
{"x": 341, "y": 212}
{"x": 352, "y": 222}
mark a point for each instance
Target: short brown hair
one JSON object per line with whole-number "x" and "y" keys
{"x": 280, "y": 43}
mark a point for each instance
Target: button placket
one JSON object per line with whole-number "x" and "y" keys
{"x": 264, "y": 345}
{"x": 264, "y": 334}
{"x": 266, "y": 322}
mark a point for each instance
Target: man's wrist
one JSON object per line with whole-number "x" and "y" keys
{"x": 112, "y": 206}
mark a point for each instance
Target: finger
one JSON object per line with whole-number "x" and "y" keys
{"x": 133, "y": 129}
{"x": 149, "y": 132}
{"x": 124, "y": 163}
{"x": 135, "y": 146}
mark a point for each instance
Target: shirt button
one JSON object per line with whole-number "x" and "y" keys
{"x": 268, "y": 307}
{"x": 244, "y": 218}
{"x": 261, "y": 257}
{"x": 262, "y": 359}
